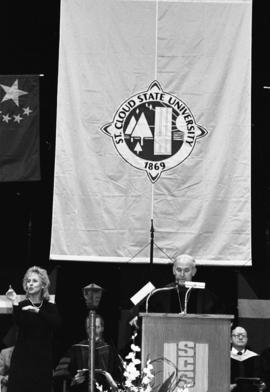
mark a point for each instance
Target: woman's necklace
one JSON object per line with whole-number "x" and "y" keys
{"x": 36, "y": 306}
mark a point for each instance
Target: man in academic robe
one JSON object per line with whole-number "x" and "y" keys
{"x": 73, "y": 367}
{"x": 176, "y": 298}
{"x": 245, "y": 364}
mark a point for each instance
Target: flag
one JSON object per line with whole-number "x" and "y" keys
{"x": 153, "y": 122}
{"x": 254, "y": 309}
{"x": 19, "y": 128}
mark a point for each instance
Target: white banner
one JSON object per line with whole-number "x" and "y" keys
{"x": 153, "y": 122}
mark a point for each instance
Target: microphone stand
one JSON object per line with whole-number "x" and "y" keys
{"x": 186, "y": 299}
{"x": 191, "y": 285}
{"x": 152, "y": 234}
{"x": 155, "y": 291}
{"x": 91, "y": 350}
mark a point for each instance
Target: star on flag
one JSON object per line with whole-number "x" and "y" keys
{"x": 12, "y": 92}
{"x": 18, "y": 118}
{"x": 27, "y": 111}
{"x": 6, "y": 118}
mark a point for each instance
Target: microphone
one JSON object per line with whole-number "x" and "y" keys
{"x": 194, "y": 285}
{"x": 191, "y": 285}
{"x": 173, "y": 287}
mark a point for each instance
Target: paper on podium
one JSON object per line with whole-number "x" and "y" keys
{"x": 142, "y": 293}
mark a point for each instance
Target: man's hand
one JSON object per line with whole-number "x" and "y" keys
{"x": 79, "y": 377}
{"x": 134, "y": 322}
{"x": 4, "y": 380}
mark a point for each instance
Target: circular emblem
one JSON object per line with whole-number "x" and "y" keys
{"x": 154, "y": 131}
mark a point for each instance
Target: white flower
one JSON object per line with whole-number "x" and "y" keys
{"x": 135, "y": 380}
{"x": 147, "y": 371}
{"x": 128, "y": 383}
{"x": 146, "y": 380}
{"x": 134, "y": 335}
{"x": 148, "y": 388}
{"x": 130, "y": 355}
{"x": 135, "y": 348}
{"x": 131, "y": 372}
{"x": 99, "y": 387}
{"x": 149, "y": 365}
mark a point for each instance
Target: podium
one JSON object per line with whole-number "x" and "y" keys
{"x": 195, "y": 347}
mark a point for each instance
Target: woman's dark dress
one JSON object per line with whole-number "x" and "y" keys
{"x": 31, "y": 364}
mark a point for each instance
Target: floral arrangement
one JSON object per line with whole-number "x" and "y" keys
{"x": 135, "y": 380}
{"x": 143, "y": 380}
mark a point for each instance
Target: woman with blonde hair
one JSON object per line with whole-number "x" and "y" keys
{"x": 36, "y": 318}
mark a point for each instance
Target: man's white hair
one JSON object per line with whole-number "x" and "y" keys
{"x": 185, "y": 257}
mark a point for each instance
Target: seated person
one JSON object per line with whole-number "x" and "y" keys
{"x": 173, "y": 301}
{"x": 5, "y": 357}
{"x": 74, "y": 365}
{"x": 244, "y": 363}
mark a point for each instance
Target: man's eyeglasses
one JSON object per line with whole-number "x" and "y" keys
{"x": 239, "y": 335}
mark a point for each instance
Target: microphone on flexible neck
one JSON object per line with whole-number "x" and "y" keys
{"x": 191, "y": 285}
